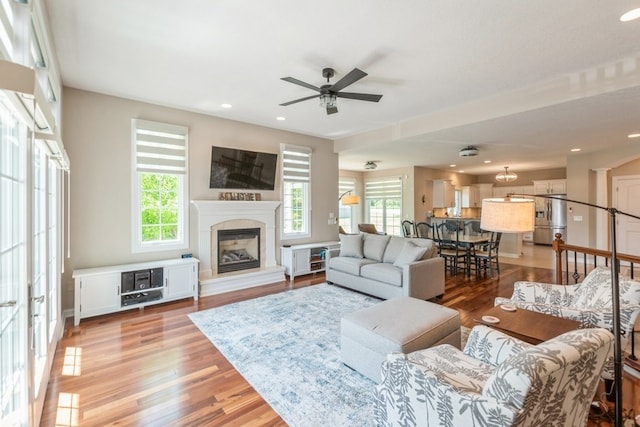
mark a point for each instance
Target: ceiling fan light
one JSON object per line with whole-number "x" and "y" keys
{"x": 327, "y": 100}
{"x": 506, "y": 176}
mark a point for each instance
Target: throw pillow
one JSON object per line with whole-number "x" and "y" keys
{"x": 374, "y": 246}
{"x": 351, "y": 245}
{"x": 595, "y": 290}
{"x": 408, "y": 254}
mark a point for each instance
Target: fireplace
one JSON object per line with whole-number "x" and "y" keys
{"x": 238, "y": 249}
{"x": 210, "y": 216}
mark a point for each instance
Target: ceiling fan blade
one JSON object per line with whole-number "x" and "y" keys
{"x": 332, "y": 110}
{"x": 352, "y": 77}
{"x": 300, "y": 83}
{"x": 359, "y": 96}
{"x": 299, "y": 100}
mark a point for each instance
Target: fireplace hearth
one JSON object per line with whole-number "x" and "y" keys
{"x": 238, "y": 249}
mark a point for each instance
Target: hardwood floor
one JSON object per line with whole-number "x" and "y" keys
{"x": 153, "y": 367}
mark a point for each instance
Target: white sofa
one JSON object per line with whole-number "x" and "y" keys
{"x": 387, "y": 266}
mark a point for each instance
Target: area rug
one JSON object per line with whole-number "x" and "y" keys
{"x": 287, "y": 346}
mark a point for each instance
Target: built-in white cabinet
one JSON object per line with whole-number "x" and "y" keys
{"x": 98, "y": 294}
{"x": 305, "y": 259}
{"x": 485, "y": 191}
{"x": 104, "y": 290}
{"x": 550, "y": 186}
{"x": 443, "y": 193}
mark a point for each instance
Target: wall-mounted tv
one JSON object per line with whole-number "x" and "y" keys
{"x": 242, "y": 169}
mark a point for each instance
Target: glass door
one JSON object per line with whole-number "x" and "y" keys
{"x": 13, "y": 279}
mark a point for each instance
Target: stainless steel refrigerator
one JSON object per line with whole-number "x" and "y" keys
{"x": 551, "y": 218}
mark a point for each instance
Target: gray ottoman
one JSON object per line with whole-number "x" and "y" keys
{"x": 397, "y": 325}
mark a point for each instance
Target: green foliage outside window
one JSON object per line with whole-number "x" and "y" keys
{"x": 159, "y": 194}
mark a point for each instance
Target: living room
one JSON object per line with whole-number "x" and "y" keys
{"x": 526, "y": 118}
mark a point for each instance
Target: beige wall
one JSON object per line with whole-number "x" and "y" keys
{"x": 97, "y": 137}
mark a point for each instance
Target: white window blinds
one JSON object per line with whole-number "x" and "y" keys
{"x": 160, "y": 147}
{"x": 383, "y": 188}
{"x": 296, "y": 163}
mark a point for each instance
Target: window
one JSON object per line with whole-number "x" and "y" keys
{"x": 160, "y": 186}
{"x": 384, "y": 204}
{"x": 296, "y": 189}
{"x": 345, "y": 213}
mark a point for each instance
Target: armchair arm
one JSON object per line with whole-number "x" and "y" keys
{"x": 492, "y": 346}
{"x": 410, "y": 394}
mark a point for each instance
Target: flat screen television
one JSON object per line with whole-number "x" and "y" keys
{"x": 242, "y": 169}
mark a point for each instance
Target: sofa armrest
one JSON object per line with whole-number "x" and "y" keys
{"x": 492, "y": 346}
{"x": 331, "y": 253}
{"x": 424, "y": 279}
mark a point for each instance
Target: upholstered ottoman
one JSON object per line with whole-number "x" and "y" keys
{"x": 397, "y": 325}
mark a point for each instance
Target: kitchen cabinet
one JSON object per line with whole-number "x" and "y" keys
{"x": 470, "y": 197}
{"x": 482, "y": 191}
{"x": 520, "y": 189}
{"x": 443, "y": 193}
{"x": 305, "y": 259}
{"x": 102, "y": 290}
{"x": 551, "y": 186}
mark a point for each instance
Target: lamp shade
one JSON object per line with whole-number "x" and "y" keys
{"x": 508, "y": 215}
{"x": 350, "y": 200}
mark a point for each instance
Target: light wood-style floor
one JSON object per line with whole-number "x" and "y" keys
{"x": 153, "y": 367}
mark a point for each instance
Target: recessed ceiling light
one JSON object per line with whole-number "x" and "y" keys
{"x": 487, "y": 161}
{"x": 226, "y": 105}
{"x": 461, "y": 171}
{"x": 281, "y": 118}
{"x": 631, "y": 15}
{"x": 452, "y": 166}
{"x": 575, "y": 149}
{"x": 634, "y": 135}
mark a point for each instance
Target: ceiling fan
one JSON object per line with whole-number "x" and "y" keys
{"x": 329, "y": 92}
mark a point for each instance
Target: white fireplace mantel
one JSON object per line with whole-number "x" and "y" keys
{"x": 212, "y": 212}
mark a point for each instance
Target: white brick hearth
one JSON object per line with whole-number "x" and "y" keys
{"x": 213, "y": 214}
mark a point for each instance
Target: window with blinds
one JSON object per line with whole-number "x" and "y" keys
{"x": 383, "y": 200}
{"x": 296, "y": 189}
{"x": 160, "y": 186}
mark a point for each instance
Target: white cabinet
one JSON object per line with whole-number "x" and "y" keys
{"x": 180, "y": 280}
{"x": 521, "y": 189}
{"x": 304, "y": 259}
{"x": 98, "y": 294}
{"x": 443, "y": 193}
{"x": 550, "y": 186}
{"x": 104, "y": 290}
{"x": 473, "y": 195}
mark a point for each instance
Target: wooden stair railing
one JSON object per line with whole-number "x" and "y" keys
{"x": 578, "y": 261}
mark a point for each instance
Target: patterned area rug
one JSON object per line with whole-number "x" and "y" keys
{"x": 287, "y": 346}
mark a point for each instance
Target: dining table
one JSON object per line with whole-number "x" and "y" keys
{"x": 468, "y": 242}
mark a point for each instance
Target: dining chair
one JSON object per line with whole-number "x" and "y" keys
{"x": 472, "y": 228}
{"x": 425, "y": 231}
{"x": 486, "y": 255}
{"x": 450, "y": 249}
{"x": 408, "y": 228}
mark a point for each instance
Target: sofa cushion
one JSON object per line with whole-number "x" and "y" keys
{"x": 349, "y": 265}
{"x": 382, "y": 272}
{"x": 409, "y": 253}
{"x": 394, "y": 247}
{"x": 351, "y": 245}
{"x": 374, "y": 246}
{"x": 430, "y": 245}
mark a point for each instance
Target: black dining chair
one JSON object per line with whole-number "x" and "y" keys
{"x": 449, "y": 248}
{"x": 486, "y": 256}
{"x": 425, "y": 231}
{"x": 408, "y": 228}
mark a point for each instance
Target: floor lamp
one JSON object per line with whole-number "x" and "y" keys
{"x": 516, "y": 214}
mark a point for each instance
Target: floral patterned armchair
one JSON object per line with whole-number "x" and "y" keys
{"x": 588, "y": 302}
{"x": 497, "y": 380}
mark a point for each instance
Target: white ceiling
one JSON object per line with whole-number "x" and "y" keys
{"x": 524, "y": 81}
